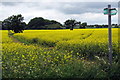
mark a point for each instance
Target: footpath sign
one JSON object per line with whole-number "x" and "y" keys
{"x": 110, "y": 11}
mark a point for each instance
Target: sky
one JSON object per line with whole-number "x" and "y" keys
{"x": 90, "y": 11}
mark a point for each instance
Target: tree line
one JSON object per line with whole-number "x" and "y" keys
{"x": 15, "y": 23}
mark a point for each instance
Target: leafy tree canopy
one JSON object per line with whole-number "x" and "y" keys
{"x": 83, "y": 25}
{"x": 70, "y": 23}
{"x": 41, "y": 23}
{"x": 14, "y": 23}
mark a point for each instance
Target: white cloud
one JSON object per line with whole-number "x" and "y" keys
{"x": 51, "y": 11}
{"x": 59, "y": 0}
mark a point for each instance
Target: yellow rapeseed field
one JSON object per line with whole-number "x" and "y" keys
{"x": 58, "y": 54}
{"x": 83, "y": 41}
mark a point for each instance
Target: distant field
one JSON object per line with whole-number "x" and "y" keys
{"x": 58, "y": 54}
{"x": 83, "y": 41}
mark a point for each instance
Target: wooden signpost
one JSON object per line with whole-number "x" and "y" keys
{"x": 110, "y": 11}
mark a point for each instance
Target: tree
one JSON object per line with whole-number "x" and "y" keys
{"x": 14, "y": 23}
{"x": 55, "y": 22}
{"x": 69, "y": 24}
{"x": 53, "y": 26}
{"x": 0, "y": 25}
{"x": 78, "y": 24}
{"x": 83, "y": 25}
{"x": 35, "y": 23}
{"x": 115, "y": 26}
{"x": 41, "y": 23}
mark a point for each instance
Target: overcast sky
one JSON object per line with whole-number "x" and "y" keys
{"x": 80, "y": 10}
